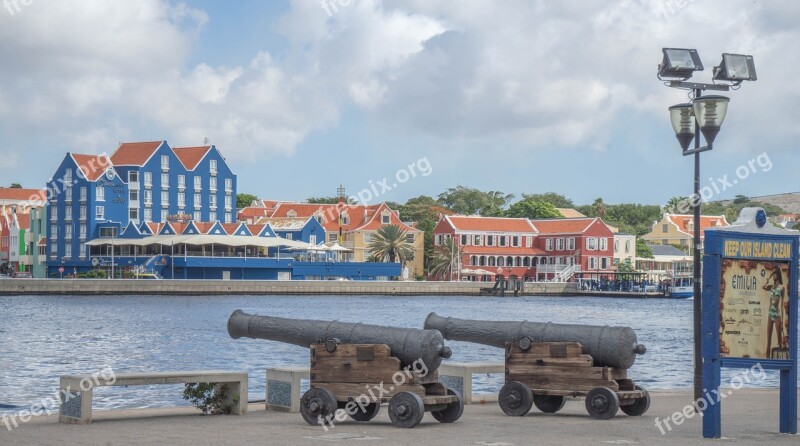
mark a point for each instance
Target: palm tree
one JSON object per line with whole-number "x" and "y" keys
{"x": 445, "y": 259}
{"x": 390, "y": 243}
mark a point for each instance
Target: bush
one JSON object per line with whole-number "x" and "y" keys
{"x": 209, "y": 399}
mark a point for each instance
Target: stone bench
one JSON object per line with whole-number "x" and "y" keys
{"x": 76, "y": 390}
{"x": 283, "y": 383}
{"x": 283, "y": 388}
{"x": 458, "y": 376}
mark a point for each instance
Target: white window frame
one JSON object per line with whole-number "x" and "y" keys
{"x": 101, "y": 193}
{"x": 100, "y": 213}
{"x": 548, "y": 244}
{"x": 164, "y": 162}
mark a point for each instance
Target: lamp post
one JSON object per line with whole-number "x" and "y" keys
{"x": 705, "y": 114}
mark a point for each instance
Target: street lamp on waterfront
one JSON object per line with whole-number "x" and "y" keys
{"x": 703, "y": 115}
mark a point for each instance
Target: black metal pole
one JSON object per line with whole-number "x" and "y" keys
{"x": 698, "y": 359}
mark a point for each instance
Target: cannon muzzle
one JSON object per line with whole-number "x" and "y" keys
{"x": 609, "y": 346}
{"x": 407, "y": 344}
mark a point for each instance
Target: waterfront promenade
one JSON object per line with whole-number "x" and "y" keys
{"x": 750, "y": 417}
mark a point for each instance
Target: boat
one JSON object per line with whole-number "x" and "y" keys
{"x": 681, "y": 281}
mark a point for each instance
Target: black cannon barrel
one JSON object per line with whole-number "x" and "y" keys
{"x": 609, "y": 346}
{"x": 407, "y": 344}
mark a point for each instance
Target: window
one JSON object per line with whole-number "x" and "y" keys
{"x": 368, "y": 239}
{"x": 165, "y": 181}
{"x": 212, "y": 184}
{"x": 101, "y": 193}
{"x": 134, "y": 195}
{"x": 53, "y": 249}
{"x": 311, "y": 239}
{"x": 548, "y": 244}
{"x": 197, "y": 216}
{"x": 464, "y": 240}
{"x": 476, "y": 240}
{"x": 288, "y": 236}
{"x": 604, "y": 263}
{"x": 515, "y": 240}
{"x": 68, "y": 193}
{"x": 148, "y": 198}
{"x": 332, "y": 237}
{"x": 133, "y": 214}
{"x": 571, "y": 243}
{"x": 591, "y": 243}
{"x": 502, "y": 241}
{"x": 182, "y": 181}
{"x": 528, "y": 241}
{"x": 228, "y": 185}
{"x": 164, "y": 215}
{"x": 164, "y": 198}
{"x": 108, "y": 232}
{"x": 345, "y": 219}
{"x": 68, "y": 213}
{"x": 83, "y": 193}
{"x": 148, "y": 214}
{"x": 84, "y": 250}
{"x": 83, "y": 232}
{"x": 83, "y": 212}
{"x": 228, "y": 202}
{"x": 148, "y": 179}
{"x": 627, "y": 246}
{"x": 386, "y": 218}
{"x": 100, "y": 213}
{"x": 560, "y": 244}
{"x": 592, "y": 262}
{"x": 212, "y": 216}
{"x": 213, "y": 167}
{"x": 198, "y": 183}
{"x": 229, "y": 218}
{"x": 197, "y": 200}
{"x": 665, "y": 227}
{"x": 212, "y": 201}
{"x": 133, "y": 177}
{"x": 53, "y": 213}
{"x": 616, "y": 245}
{"x": 409, "y": 238}
{"x": 67, "y": 250}
{"x": 68, "y": 176}
{"x": 164, "y": 162}
{"x": 603, "y": 243}
{"x": 181, "y": 199}
{"x": 489, "y": 240}
{"x": 68, "y": 232}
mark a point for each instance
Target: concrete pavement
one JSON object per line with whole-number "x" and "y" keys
{"x": 749, "y": 417}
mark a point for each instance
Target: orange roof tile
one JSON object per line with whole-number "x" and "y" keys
{"x": 190, "y": 157}
{"x": 563, "y": 225}
{"x": 490, "y": 224}
{"x": 24, "y": 221}
{"x": 682, "y": 221}
{"x": 230, "y": 228}
{"x": 92, "y": 166}
{"x": 134, "y": 153}
{"x": 203, "y": 226}
{"x": 13, "y": 194}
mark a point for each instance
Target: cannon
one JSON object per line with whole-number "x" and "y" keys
{"x": 546, "y": 362}
{"x": 357, "y": 367}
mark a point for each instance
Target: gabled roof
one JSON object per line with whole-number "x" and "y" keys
{"x": 569, "y": 213}
{"x": 285, "y": 223}
{"x": 490, "y": 224}
{"x": 563, "y": 225}
{"x": 682, "y": 221}
{"x": 216, "y": 229}
{"x": 135, "y": 153}
{"x": 375, "y": 220}
{"x": 92, "y": 167}
{"x": 190, "y": 157}
{"x": 13, "y": 194}
{"x": 666, "y": 250}
{"x": 23, "y": 221}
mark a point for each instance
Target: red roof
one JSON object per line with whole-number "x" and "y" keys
{"x": 203, "y": 227}
{"x": 682, "y": 221}
{"x": 92, "y": 166}
{"x": 24, "y": 221}
{"x": 12, "y": 194}
{"x": 563, "y": 225}
{"x": 134, "y": 153}
{"x": 190, "y": 157}
{"x": 490, "y": 224}
{"x": 42, "y": 241}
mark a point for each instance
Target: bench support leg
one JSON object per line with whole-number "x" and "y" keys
{"x": 75, "y": 406}
{"x": 283, "y": 391}
{"x": 237, "y": 396}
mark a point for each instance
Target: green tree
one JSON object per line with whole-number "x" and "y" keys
{"x": 445, "y": 260}
{"x": 245, "y": 200}
{"x": 16, "y": 186}
{"x": 328, "y": 200}
{"x": 557, "y": 200}
{"x": 532, "y": 208}
{"x": 389, "y": 243}
{"x": 643, "y": 250}
{"x": 678, "y": 205}
{"x": 739, "y": 199}
{"x": 469, "y": 201}
{"x": 425, "y": 212}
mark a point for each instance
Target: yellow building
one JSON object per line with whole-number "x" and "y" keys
{"x": 678, "y": 229}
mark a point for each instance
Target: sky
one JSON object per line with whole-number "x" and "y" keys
{"x": 395, "y": 99}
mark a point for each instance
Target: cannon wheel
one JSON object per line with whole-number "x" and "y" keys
{"x": 453, "y": 410}
{"x": 318, "y": 406}
{"x": 602, "y": 403}
{"x": 549, "y": 403}
{"x": 515, "y": 398}
{"x": 369, "y": 412}
{"x": 639, "y": 406}
{"x": 406, "y": 409}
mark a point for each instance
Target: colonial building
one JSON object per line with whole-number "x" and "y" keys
{"x": 490, "y": 246}
{"x": 678, "y": 229}
{"x": 573, "y": 245}
{"x": 624, "y": 249}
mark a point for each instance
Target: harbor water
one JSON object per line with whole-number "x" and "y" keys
{"x": 43, "y": 337}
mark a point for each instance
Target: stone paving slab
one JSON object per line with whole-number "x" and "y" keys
{"x": 750, "y": 417}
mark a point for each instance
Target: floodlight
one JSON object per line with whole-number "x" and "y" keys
{"x": 679, "y": 62}
{"x": 735, "y": 67}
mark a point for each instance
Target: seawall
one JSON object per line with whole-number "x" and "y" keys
{"x": 261, "y": 287}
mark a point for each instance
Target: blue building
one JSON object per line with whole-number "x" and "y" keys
{"x": 95, "y": 196}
